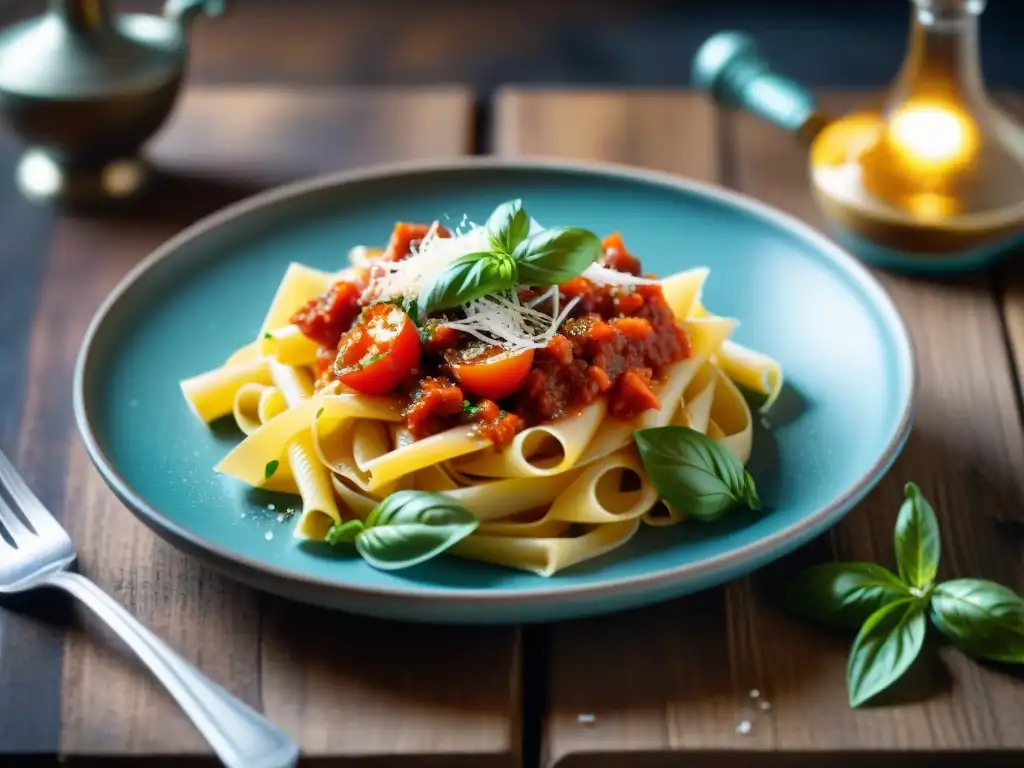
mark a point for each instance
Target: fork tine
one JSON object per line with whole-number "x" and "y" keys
{"x": 15, "y": 528}
{"x": 31, "y": 507}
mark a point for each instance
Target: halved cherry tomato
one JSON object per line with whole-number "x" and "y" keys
{"x": 382, "y": 348}
{"x": 493, "y": 373}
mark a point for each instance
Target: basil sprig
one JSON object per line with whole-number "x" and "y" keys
{"x": 981, "y": 618}
{"x": 508, "y": 226}
{"x": 406, "y": 529}
{"x": 468, "y": 278}
{"x": 547, "y": 257}
{"x": 554, "y": 256}
{"x": 693, "y": 473}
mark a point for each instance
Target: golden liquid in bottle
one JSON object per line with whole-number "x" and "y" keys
{"x": 935, "y": 168}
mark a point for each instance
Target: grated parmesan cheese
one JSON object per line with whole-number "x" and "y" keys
{"x": 597, "y": 273}
{"x": 498, "y": 320}
{"x": 403, "y": 279}
{"x": 493, "y": 319}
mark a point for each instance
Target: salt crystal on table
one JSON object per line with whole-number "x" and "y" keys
{"x": 754, "y": 693}
{"x": 271, "y": 507}
{"x": 765, "y": 705}
{"x": 744, "y": 727}
{"x": 586, "y": 718}
{"x": 268, "y": 535}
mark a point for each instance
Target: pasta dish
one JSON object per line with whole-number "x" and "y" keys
{"x": 506, "y": 392}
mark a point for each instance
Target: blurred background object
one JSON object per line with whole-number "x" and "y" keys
{"x": 570, "y": 42}
{"x": 84, "y": 86}
{"x": 930, "y": 176}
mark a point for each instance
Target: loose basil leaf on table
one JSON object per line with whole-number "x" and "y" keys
{"x": 885, "y": 648}
{"x": 980, "y": 617}
{"x": 917, "y": 539}
{"x": 409, "y": 527}
{"x": 693, "y": 473}
{"x": 468, "y": 278}
{"x": 843, "y": 595}
{"x": 556, "y": 255}
{"x": 508, "y": 226}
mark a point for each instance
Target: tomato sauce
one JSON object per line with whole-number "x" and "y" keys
{"x": 617, "y": 343}
{"x": 405, "y": 236}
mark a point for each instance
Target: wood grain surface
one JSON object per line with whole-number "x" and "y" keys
{"x": 688, "y": 678}
{"x": 311, "y": 671}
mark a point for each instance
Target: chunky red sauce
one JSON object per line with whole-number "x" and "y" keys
{"x": 617, "y": 343}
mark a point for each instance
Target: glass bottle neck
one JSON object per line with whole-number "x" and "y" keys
{"x": 942, "y": 60}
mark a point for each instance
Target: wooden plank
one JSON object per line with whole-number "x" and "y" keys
{"x": 29, "y": 642}
{"x": 222, "y": 144}
{"x": 1010, "y": 282}
{"x": 678, "y": 678}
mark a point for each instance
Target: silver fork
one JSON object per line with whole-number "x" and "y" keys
{"x": 38, "y": 552}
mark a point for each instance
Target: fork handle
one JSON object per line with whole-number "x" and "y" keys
{"x": 239, "y": 735}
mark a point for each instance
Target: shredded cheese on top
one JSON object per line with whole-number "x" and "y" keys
{"x": 403, "y": 279}
{"x": 494, "y": 319}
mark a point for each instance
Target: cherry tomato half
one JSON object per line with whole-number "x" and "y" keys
{"x": 494, "y": 373}
{"x": 382, "y": 348}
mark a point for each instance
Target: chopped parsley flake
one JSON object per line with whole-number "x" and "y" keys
{"x": 270, "y": 469}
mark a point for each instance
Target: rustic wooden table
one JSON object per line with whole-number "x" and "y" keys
{"x": 666, "y": 685}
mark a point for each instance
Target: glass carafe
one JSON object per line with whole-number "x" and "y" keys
{"x": 931, "y": 176}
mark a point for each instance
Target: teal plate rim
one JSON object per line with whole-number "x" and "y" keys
{"x": 756, "y": 552}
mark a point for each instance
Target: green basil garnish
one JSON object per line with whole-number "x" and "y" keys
{"x": 844, "y": 595}
{"x": 405, "y": 529}
{"x": 547, "y": 257}
{"x": 270, "y": 469}
{"x": 694, "y": 474}
{"x": 344, "y": 533}
{"x": 554, "y": 256}
{"x": 917, "y": 540}
{"x": 885, "y": 647}
{"x": 410, "y": 527}
{"x": 508, "y": 226}
{"x": 469, "y": 278}
{"x": 981, "y": 618}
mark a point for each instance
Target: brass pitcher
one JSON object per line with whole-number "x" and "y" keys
{"x": 930, "y": 178}
{"x": 85, "y": 89}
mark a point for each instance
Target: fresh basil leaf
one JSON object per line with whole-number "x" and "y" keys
{"x": 980, "y": 617}
{"x": 344, "y": 533}
{"x": 270, "y": 469}
{"x": 411, "y": 309}
{"x": 468, "y": 278}
{"x": 843, "y": 595}
{"x": 918, "y": 542}
{"x": 409, "y": 527}
{"x": 508, "y": 226}
{"x": 553, "y": 256}
{"x": 885, "y": 648}
{"x": 693, "y": 473}
{"x": 268, "y": 335}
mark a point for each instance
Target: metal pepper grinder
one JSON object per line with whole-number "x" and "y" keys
{"x": 85, "y": 88}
